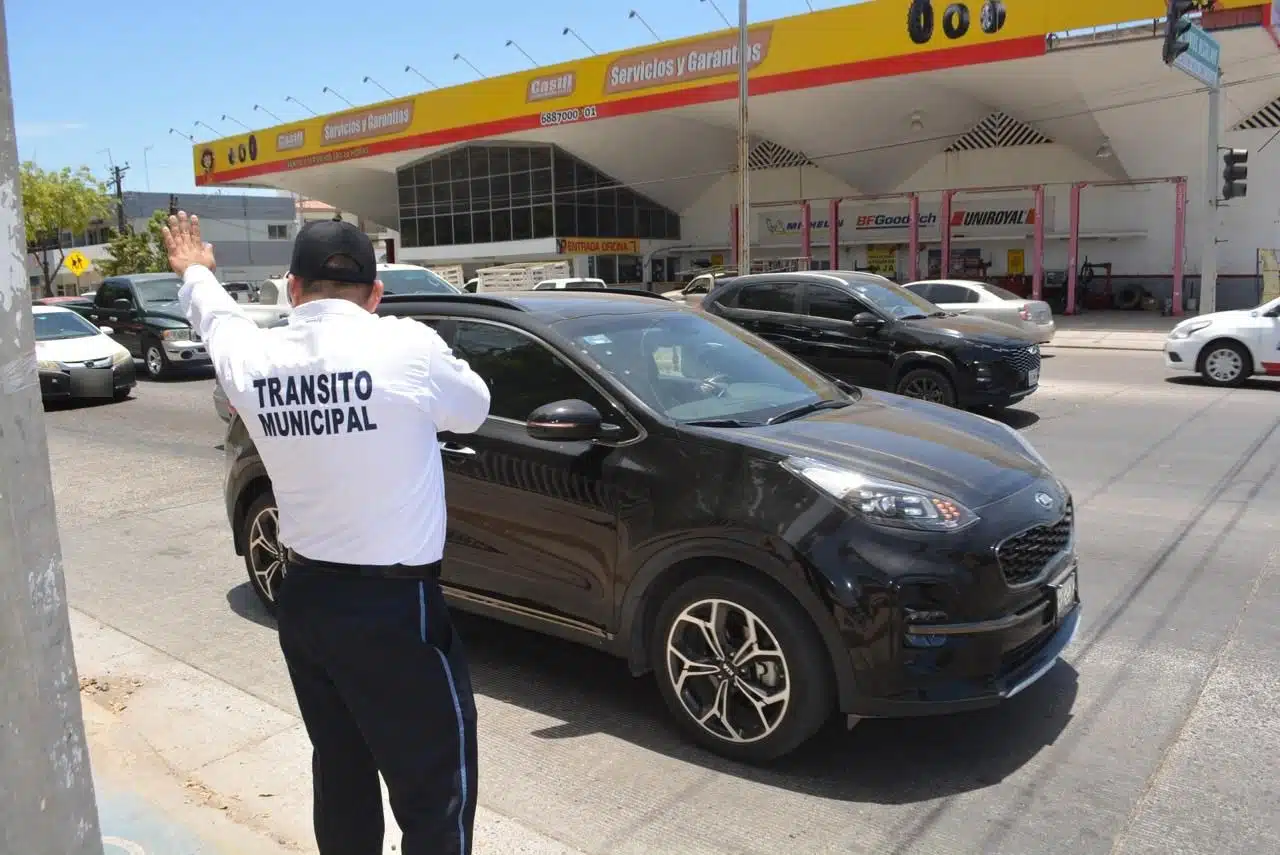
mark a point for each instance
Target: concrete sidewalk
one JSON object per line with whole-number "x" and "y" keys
{"x": 1099, "y": 339}
{"x": 185, "y": 764}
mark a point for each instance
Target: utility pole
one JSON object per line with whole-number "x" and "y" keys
{"x": 744, "y": 147}
{"x": 117, "y": 175}
{"x": 46, "y": 790}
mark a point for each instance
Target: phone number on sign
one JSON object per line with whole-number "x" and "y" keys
{"x": 566, "y": 117}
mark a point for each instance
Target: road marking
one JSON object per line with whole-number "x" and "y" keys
{"x": 127, "y": 845}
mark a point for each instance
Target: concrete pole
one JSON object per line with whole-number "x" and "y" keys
{"x": 46, "y": 790}
{"x": 744, "y": 146}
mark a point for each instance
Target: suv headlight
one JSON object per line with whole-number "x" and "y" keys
{"x": 183, "y": 334}
{"x": 1187, "y": 328}
{"x": 884, "y": 503}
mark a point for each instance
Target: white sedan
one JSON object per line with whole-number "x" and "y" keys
{"x": 1033, "y": 317}
{"x": 75, "y": 359}
{"x": 1226, "y": 347}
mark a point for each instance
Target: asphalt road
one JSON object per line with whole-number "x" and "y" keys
{"x": 1160, "y": 732}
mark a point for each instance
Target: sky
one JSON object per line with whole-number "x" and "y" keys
{"x": 96, "y": 84}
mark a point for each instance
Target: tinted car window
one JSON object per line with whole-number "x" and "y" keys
{"x": 893, "y": 300}
{"x": 829, "y": 303}
{"x": 770, "y": 297}
{"x": 940, "y": 292}
{"x": 522, "y": 373}
{"x": 110, "y": 292}
{"x": 50, "y": 326}
{"x": 158, "y": 290}
{"x": 692, "y": 367}
{"x": 421, "y": 281}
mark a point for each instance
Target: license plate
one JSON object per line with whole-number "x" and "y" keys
{"x": 1065, "y": 596}
{"x": 1033, "y": 377}
{"x": 91, "y": 382}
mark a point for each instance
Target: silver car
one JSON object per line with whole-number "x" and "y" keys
{"x": 1033, "y": 318}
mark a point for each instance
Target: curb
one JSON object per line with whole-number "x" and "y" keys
{"x": 1133, "y": 348}
{"x": 245, "y": 753}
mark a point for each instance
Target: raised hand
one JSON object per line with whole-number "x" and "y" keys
{"x": 184, "y": 245}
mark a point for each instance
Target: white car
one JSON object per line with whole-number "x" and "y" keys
{"x": 1227, "y": 347}
{"x": 76, "y": 360}
{"x": 571, "y": 282}
{"x": 1033, "y": 317}
{"x": 698, "y": 288}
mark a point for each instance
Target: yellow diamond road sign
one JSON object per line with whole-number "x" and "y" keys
{"x": 77, "y": 263}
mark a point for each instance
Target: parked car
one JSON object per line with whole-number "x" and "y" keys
{"x": 75, "y": 359}
{"x": 1033, "y": 317}
{"x": 1226, "y": 348}
{"x": 864, "y": 329}
{"x": 400, "y": 279}
{"x": 576, "y": 282}
{"x": 143, "y": 311}
{"x": 662, "y": 485}
{"x": 698, "y": 287}
{"x": 242, "y": 292}
{"x": 83, "y": 299}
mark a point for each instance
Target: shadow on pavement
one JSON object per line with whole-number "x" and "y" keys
{"x": 68, "y": 404}
{"x": 185, "y": 375}
{"x": 1016, "y": 419}
{"x": 1197, "y": 380}
{"x": 245, "y": 603}
{"x": 886, "y": 761}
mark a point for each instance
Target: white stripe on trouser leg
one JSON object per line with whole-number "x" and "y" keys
{"x": 457, "y": 711}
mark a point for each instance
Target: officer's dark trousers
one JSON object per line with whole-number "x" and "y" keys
{"x": 383, "y": 687}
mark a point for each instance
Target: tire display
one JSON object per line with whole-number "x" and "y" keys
{"x": 920, "y": 21}
{"x": 955, "y": 21}
{"x": 991, "y": 18}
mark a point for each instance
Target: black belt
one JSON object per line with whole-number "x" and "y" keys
{"x": 377, "y": 571}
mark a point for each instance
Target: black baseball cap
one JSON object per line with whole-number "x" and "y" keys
{"x": 319, "y": 242}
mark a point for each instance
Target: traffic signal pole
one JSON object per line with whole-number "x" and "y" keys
{"x": 1209, "y": 254}
{"x": 46, "y": 791}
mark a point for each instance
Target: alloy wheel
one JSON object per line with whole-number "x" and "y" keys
{"x": 728, "y": 670}
{"x": 155, "y": 361}
{"x": 1223, "y": 365}
{"x": 925, "y": 389}
{"x": 266, "y": 558}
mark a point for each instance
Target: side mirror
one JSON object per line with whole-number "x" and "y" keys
{"x": 565, "y": 421}
{"x": 867, "y": 320}
{"x": 106, "y": 330}
{"x": 122, "y": 305}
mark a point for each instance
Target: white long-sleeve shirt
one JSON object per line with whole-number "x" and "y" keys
{"x": 343, "y": 406}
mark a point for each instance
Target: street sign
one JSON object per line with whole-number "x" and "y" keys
{"x": 1200, "y": 59}
{"x": 76, "y": 262}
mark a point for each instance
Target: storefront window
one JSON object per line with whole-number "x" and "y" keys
{"x": 482, "y": 194}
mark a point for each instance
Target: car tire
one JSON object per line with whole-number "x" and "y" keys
{"x": 155, "y": 361}
{"x": 263, "y": 556}
{"x": 789, "y": 677}
{"x": 1225, "y": 363}
{"x": 927, "y": 384}
{"x": 121, "y": 394}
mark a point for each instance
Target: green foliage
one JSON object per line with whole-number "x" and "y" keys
{"x": 137, "y": 252}
{"x": 59, "y": 201}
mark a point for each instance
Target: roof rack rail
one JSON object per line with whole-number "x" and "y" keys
{"x": 631, "y": 292}
{"x": 466, "y": 299}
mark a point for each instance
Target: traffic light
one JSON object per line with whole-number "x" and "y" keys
{"x": 1176, "y": 26}
{"x": 1235, "y": 172}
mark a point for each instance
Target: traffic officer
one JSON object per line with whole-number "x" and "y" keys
{"x": 344, "y": 407}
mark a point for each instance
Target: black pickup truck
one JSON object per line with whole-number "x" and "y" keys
{"x": 143, "y": 311}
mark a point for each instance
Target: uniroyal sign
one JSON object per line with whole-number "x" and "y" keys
{"x": 881, "y": 223}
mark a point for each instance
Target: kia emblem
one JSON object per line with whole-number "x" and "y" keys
{"x": 1044, "y": 500}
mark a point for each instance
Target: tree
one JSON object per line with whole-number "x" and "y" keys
{"x": 137, "y": 252}
{"x": 54, "y": 203}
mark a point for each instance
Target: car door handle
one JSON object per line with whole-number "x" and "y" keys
{"x": 455, "y": 448}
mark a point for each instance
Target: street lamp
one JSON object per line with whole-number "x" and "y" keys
{"x": 718, "y": 12}
{"x": 146, "y": 169}
{"x": 300, "y": 104}
{"x": 458, "y": 56}
{"x": 532, "y": 61}
{"x": 636, "y": 15}
{"x": 336, "y": 94}
{"x": 258, "y": 108}
{"x": 234, "y": 120}
{"x": 570, "y": 31}
{"x": 369, "y": 79}
{"x": 200, "y": 124}
{"x": 187, "y": 137}
{"x": 410, "y": 68}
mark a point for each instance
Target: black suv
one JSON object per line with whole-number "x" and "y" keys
{"x": 775, "y": 546}
{"x": 864, "y": 329}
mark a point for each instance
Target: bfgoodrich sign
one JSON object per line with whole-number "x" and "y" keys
{"x": 980, "y": 217}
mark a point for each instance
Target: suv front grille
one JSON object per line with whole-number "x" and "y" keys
{"x": 1023, "y": 557}
{"x": 1023, "y": 359}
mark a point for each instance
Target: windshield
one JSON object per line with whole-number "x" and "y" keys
{"x": 419, "y": 281}
{"x": 1002, "y": 293}
{"x": 54, "y": 326}
{"x": 158, "y": 290}
{"x": 893, "y": 300}
{"x": 694, "y": 368}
